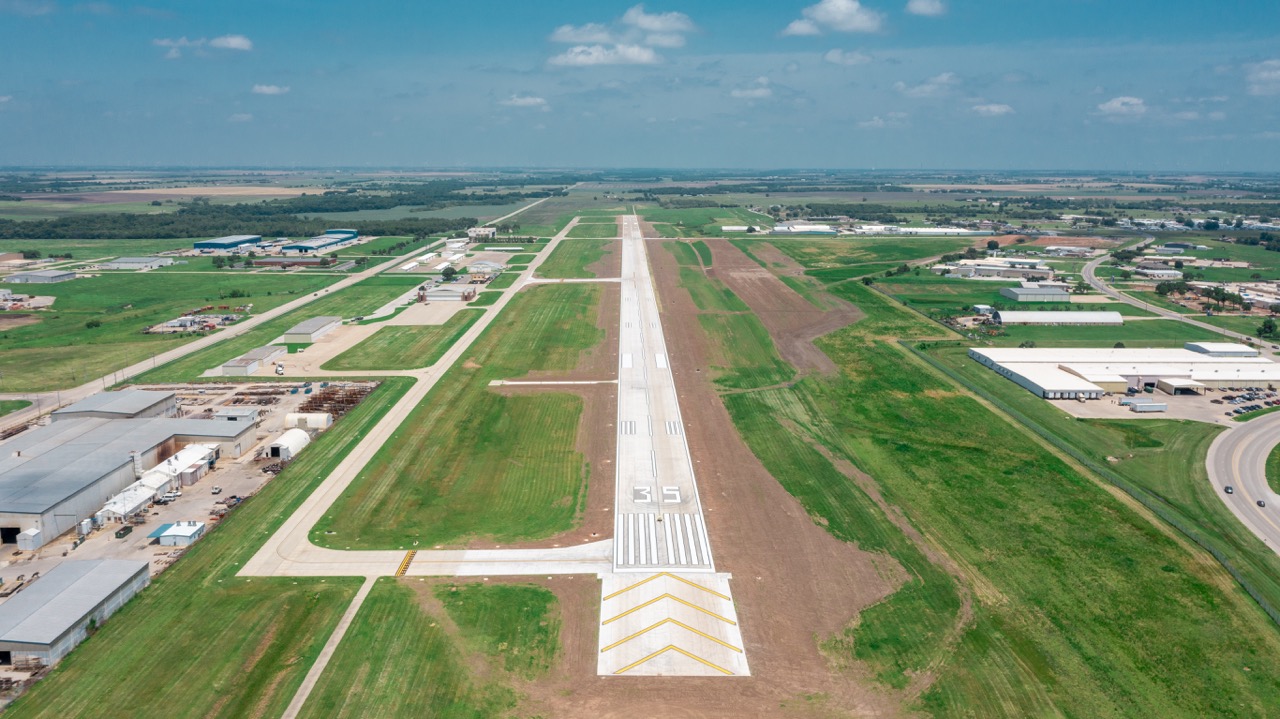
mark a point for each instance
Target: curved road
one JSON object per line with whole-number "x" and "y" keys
{"x": 1238, "y": 459}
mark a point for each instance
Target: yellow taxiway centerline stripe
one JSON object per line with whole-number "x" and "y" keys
{"x": 695, "y": 585}
{"x": 678, "y": 623}
{"x": 669, "y": 648}
{"x": 668, "y": 596}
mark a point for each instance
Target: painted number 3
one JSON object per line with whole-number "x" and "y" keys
{"x": 644, "y": 495}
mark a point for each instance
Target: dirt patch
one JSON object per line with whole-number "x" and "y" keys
{"x": 793, "y": 583}
{"x": 1073, "y": 242}
{"x": 8, "y": 322}
{"x": 779, "y": 261}
{"x": 610, "y": 265}
{"x": 793, "y": 322}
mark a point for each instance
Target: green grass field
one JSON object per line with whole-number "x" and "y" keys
{"x": 521, "y": 259}
{"x": 12, "y": 405}
{"x": 503, "y": 281}
{"x": 62, "y": 351}
{"x": 359, "y": 299}
{"x": 1273, "y": 470}
{"x": 202, "y": 642}
{"x": 485, "y": 299}
{"x": 709, "y": 295}
{"x": 594, "y": 231}
{"x": 471, "y": 463}
{"x": 700, "y": 221}
{"x": 400, "y": 347}
{"x": 1080, "y": 606}
{"x": 402, "y": 659}
{"x": 1145, "y": 333}
{"x": 94, "y": 249}
{"x": 572, "y": 257}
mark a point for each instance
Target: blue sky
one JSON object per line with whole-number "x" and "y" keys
{"x": 1017, "y": 84}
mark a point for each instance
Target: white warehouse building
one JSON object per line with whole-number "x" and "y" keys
{"x": 1011, "y": 317}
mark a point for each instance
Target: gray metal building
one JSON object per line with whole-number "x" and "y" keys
{"x": 52, "y": 615}
{"x": 124, "y": 404}
{"x": 40, "y": 277}
{"x": 248, "y": 363}
{"x": 53, "y": 477}
{"x": 137, "y": 263}
{"x": 1035, "y": 294}
{"x": 311, "y": 330}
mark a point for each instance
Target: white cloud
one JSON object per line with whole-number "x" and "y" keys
{"x": 929, "y": 8}
{"x": 664, "y": 22}
{"x": 232, "y": 42}
{"x": 589, "y": 55}
{"x": 662, "y": 39}
{"x": 5, "y": 98}
{"x": 1263, "y": 78}
{"x": 270, "y": 89}
{"x": 838, "y": 15}
{"x": 582, "y": 34}
{"x": 530, "y": 101}
{"x": 28, "y": 8}
{"x": 846, "y": 57}
{"x": 1186, "y": 115}
{"x": 891, "y": 119}
{"x": 225, "y": 42}
{"x": 933, "y": 87}
{"x": 1123, "y": 107}
{"x": 760, "y": 91}
{"x": 240, "y": 117}
{"x": 993, "y": 110}
{"x": 1217, "y": 115}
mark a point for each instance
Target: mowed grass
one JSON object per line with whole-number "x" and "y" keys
{"x": 503, "y": 281}
{"x": 571, "y": 258}
{"x": 400, "y": 660}
{"x": 593, "y": 231}
{"x": 1080, "y": 605}
{"x": 402, "y": 347}
{"x": 359, "y": 299}
{"x": 1144, "y": 333}
{"x": 202, "y": 642}
{"x": 8, "y": 406}
{"x": 95, "y": 249}
{"x": 1273, "y": 470}
{"x": 471, "y": 463}
{"x": 521, "y": 259}
{"x": 485, "y": 299}
{"x": 743, "y": 354}
{"x": 61, "y": 350}
{"x": 837, "y": 258}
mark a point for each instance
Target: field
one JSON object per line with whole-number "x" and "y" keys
{"x": 1055, "y": 597}
{"x": 256, "y": 637}
{"x": 1146, "y": 333}
{"x": 405, "y": 657}
{"x": 94, "y": 249}
{"x": 361, "y": 298}
{"x": 12, "y": 405}
{"x": 840, "y": 258}
{"x": 485, "y": 299}
{"x": 470, "y": 463}
{"x": 1273, "y": 470}
{"x": 572, "y": 257}
{"x": 503, "y": 281}
{"x": 594, "y": 231}
{"x": 700, "y": 221}
{"x": 405, "y": 347}
{"x": 63, "y": 351}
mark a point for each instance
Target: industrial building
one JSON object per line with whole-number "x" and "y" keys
{"x": 1012, "y": 267}
{"x": 320, "y": 242}
{"x": 449, "y": 293}
{"x": 53, "y": 477}
{"x": 40, "y": 277}
{"x": 51, "y": 616}
{"x": 288, "y": 445}
{"x": 237, "y": 414}
{"x": 1158, "y": 274}
{"x": 181, "y": 470}
{"x": 125, "y": 404}
{"x": 482, "y": 233}
{"x": 230, "y": 242}
{"x": 137, "y": 263}
{"x": 801, "y": 228}
{"x": 1033, "y": 292}
{"x": 178, "y": 534}
{"x": 1012, "y": 317}
{"x": 309, "y": 331}
{"x": 250, "y": 362}
{"x": 1067, "y": 373}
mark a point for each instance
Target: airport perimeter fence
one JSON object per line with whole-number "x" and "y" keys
{"x": 1153, "y": 503}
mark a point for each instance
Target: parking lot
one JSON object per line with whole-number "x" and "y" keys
{"x": 1215, "y": 406}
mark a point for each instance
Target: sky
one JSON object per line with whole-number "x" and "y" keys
{"x": 1121, "y": 85}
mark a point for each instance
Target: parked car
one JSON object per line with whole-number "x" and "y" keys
{"x": 1261, "y": 503}
{"x": 1229, "y": 489}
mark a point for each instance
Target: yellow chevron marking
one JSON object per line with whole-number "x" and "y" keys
{"x": 674, "y": 648}
{"x": 695, "y": 585}
{"x": 678, "y": 623}
{"x": 672, "y": 597}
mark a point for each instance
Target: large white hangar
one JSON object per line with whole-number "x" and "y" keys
{"x": 1015, "y": 317}
{"x": 1074, "y": 373}
{"x": 53, "y": 477}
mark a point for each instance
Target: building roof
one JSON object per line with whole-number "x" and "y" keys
{"x": 1109, "y": 355}
{"x": 127, "y": 402}
{"x": 1221, "y": 348}
{"x": 1033, "y": 290}
{"x": 1059, "y": 318}
{"x": 138, "y": 260}
{"x": 232, "y": 240}
{"x": 1051, "y": 378}
{"x": 54, "y": 604}
{"x": 317, "y": 242}
{"x": 1176, "y": 382}
{"x": 42, "y": 273}
{"x": 315, "y": 324}
{"x": 261, "y": 354}
{"x": 43, "y": 467}
{"x": 177, "y": 529}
